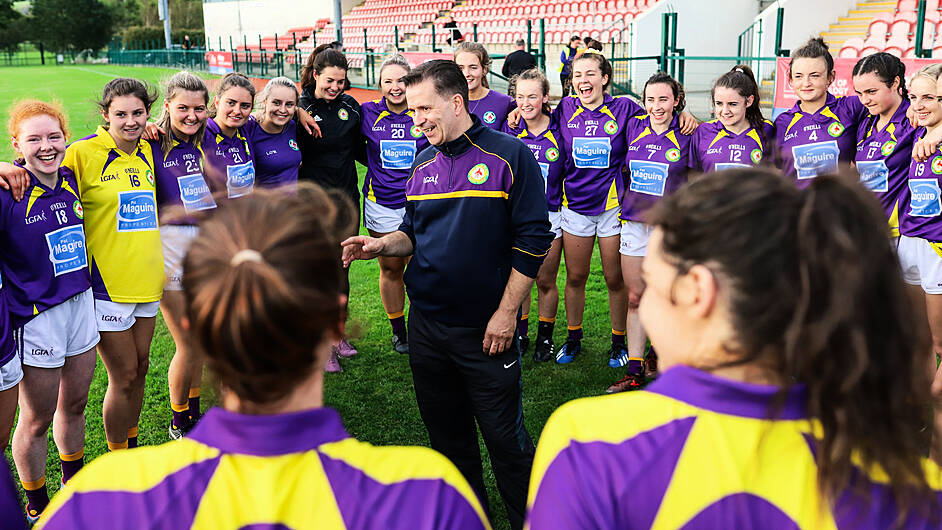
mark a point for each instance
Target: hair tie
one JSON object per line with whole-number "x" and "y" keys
{"x": 244, "y": 255}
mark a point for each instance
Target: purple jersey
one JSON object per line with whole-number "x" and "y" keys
{"x": 392, "y": 141}
{"x": 42, "y": 247}
{"x": 552, "y": 160}
{"x": 714, "y": 148}
{"x": 813, "y": 144}
{"x": 657, "y": 165}
{"x": 277, "y": 157}
{"x": 920, "y": 201}
{"x": 883, "y": 158}
{"x": 492, "y": 109}
{"x": 230, "y": 164}
{"x": 7, "y": 344}
{"x": 595, "y": 146}
{"x": 180, "y": 182}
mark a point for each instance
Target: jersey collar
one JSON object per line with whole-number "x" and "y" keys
{"x": 725, "y": 396}
{"x": 268, "y": 434}
{"x": 464, "y": 142}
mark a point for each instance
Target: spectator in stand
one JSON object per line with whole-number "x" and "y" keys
{"x": 455, "y": 36}
{"x": 518, "y": 61}
{"x": 566, "y": 57}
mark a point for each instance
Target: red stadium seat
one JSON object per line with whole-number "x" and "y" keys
{"x": 894, "y": 50}
{"x": 869, "y": 50}
{"x": 851, "y": 53}
{"x": 906, "y": 5}
{"x": 879, "y": 27}
{"x": 900, "y": 27}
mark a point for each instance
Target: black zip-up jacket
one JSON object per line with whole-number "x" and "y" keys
{"x": 331, "y": 159}
{"x": 475, "y": 209}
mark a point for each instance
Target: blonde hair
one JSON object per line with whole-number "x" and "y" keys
{"x": 273, "y": 84}
{"x": 182, "y": 81}
{"x": 477, "y": 49}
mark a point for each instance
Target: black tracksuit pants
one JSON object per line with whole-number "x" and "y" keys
{"x": 456, "y": 383}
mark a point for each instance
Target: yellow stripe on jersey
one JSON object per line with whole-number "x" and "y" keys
{"x": 549, "y": 134}
{"x": 381, "y": 116}
{"x": 795, "y": 120}
{"x": 612, "y": 200}
{"x": 228, "y": 503}
{"x": 645, "y": 132}
{"x": 578, "y": 112}
{"x": 605, "y": 110}
{"x": 719, "y": 136}
{"x": 68, "y": 187}
{"x": 384, "y": 465}
{"x": 672, "y": 136}
{"x": 826, "y": 111}
{"x": 754, "y": 134}
{"x": 36, "y": 193}
{"x": 496, "y": 194}
{"x": 894, "y": 220}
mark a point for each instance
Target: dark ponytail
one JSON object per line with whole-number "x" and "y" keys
{"x": 815, "y": 48}
{"x": 887, "y": 67}
{"x": 743, "y": 81}
{"x": 321, "y": 57}
{"x": 815, "y": 297}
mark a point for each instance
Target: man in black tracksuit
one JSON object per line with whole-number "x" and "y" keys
{"x": 477, "y": 229}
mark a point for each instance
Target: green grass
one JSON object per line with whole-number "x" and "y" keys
{"x": 374, "y": 394}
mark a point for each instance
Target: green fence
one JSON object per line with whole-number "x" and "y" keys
{"x": 26, "y": 54}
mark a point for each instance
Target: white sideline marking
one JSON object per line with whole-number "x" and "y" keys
{"x": 89, "y": 70}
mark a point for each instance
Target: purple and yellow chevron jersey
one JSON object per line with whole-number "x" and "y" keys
{"x": 118, "y": 192}
{"x": 552, "y": 159}
{"x": 180, "y": 182}
{"x": 42, "y": 247}
{"x": 883, "y": 159}
{"x": 277, "y": 156}
{"x": 287, "y": 471}
{"x": 920, "y": 200}
{"x": 392, "y": 141}
{"x": 7, "y": 344}
{"x": 229, "y": 161}
{"x": 714, "y": 148}
{"x": 493, "y": 109}
{"x": 657, "y": 165}
{"x": 696, "y": 451}
{"x": 595, "y": 146}
{"x": 11, "y": 513}
{"x": 813, "y": 144}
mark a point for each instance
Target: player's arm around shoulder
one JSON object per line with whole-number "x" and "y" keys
{"x": 529, "y": 216}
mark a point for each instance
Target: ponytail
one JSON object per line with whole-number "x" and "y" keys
{"x": 815, "y": 48}
{"x": 804, "y": 306}
{"x": 887, "y": 67}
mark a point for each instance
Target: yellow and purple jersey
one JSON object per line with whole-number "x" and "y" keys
{"x": 657, "y": 165}
{"x": 288, "y": 471}
{"x": 7, "y": 343}
{"x": 492, "y": 109}
{"x": 552, "y": 160}
{"x": 714, "y": 148}
{"x": 392, "y": 143}
{"x": 694, "y": 450}
{"x": 229, "y": 161}
{"x": 920, "y": 200}
{"x": 43, "y": 254}
{"x": 883, "y": 159}
{"x": 813, "y": 144}
{"x": 118, "y": 195}
{"x": 180, "y": 182}
{"x": 595, "y": 144}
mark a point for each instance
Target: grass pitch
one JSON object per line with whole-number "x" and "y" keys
{"x": 374, "y": 393}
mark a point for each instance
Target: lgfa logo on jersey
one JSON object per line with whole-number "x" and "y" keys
{"x": 936, "y": 165}
{"x": 835, "y": 129}
{"x": 756, "y": 156}
{"x": 888, "y": 147}
{"x": 78, "y": 210}
{"x": 149, "y": 175}
{"x": 610, "y": 127}
{"x": 343, "y": 114}
{"x": 672, "y": 154}
{"x": 489, "y": 116}
{"x": 552, "y": 154}
{"x": 415, "y": 131}
{"x": 478, "y": 174}
{"x": 293, "y": 144}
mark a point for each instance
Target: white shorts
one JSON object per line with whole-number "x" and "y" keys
{"x": 62, "y": 331}
{"x": 605, "y": 224}
{"x": 12, "y": 372}
{"x": 117, "y": 316}
{"x": 379, "y": 218}
{"x": 634, "y": 238}
{"x": 176, "y": 241}
{"x": 555, "y": 219}
{"x": 921, "y": 264}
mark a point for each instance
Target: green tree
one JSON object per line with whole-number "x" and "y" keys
{"x": 72, "y": 24}
{"x": 11, "y": 26}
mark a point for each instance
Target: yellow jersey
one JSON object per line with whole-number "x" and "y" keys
{"x": 118, "y": 193}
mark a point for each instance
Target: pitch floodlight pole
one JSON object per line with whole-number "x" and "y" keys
{"x": 338, "y": 16}
{"x": 163, "y": 13}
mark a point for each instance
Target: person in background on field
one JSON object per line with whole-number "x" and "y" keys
{"x": 330, "y": 160}
{"x": 261, "y": 284}
{"x": 469, "y": 210}
{"x": 392, "y": 143}
{"x": 182, "y": 191}
{"x": 565, "y": 59}
{"x": 541, "y": 134}
{"x": 488, "y": 105}
{"x": 518, "y": 60}
{"x": 657, "y": 161}
{"x": 885, "y": 137}
{"x": 47, "y": 287}
{"x": 739, "y": 136}
{"x": 775, "y": 341}
{"x": 273, "y": 134}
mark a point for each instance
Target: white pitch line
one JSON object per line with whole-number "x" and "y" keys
{"x": 89, "y": 70}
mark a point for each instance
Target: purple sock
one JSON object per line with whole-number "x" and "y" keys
{"x": 575, "y": 334}
{"x": 618, "y": 338}
{"x": 398, "y": 323}
{"x": 635, "y": 367}
{"x": 70, "y": 468}
{"x": 37, "y": 500}
{"x": 523, "y": 325}
{"x": 181, "y": 419}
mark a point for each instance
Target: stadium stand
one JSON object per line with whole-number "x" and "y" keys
{"x": 885, "y": 26}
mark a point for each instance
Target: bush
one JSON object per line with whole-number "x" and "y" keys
{"x": 146, "y": 37}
